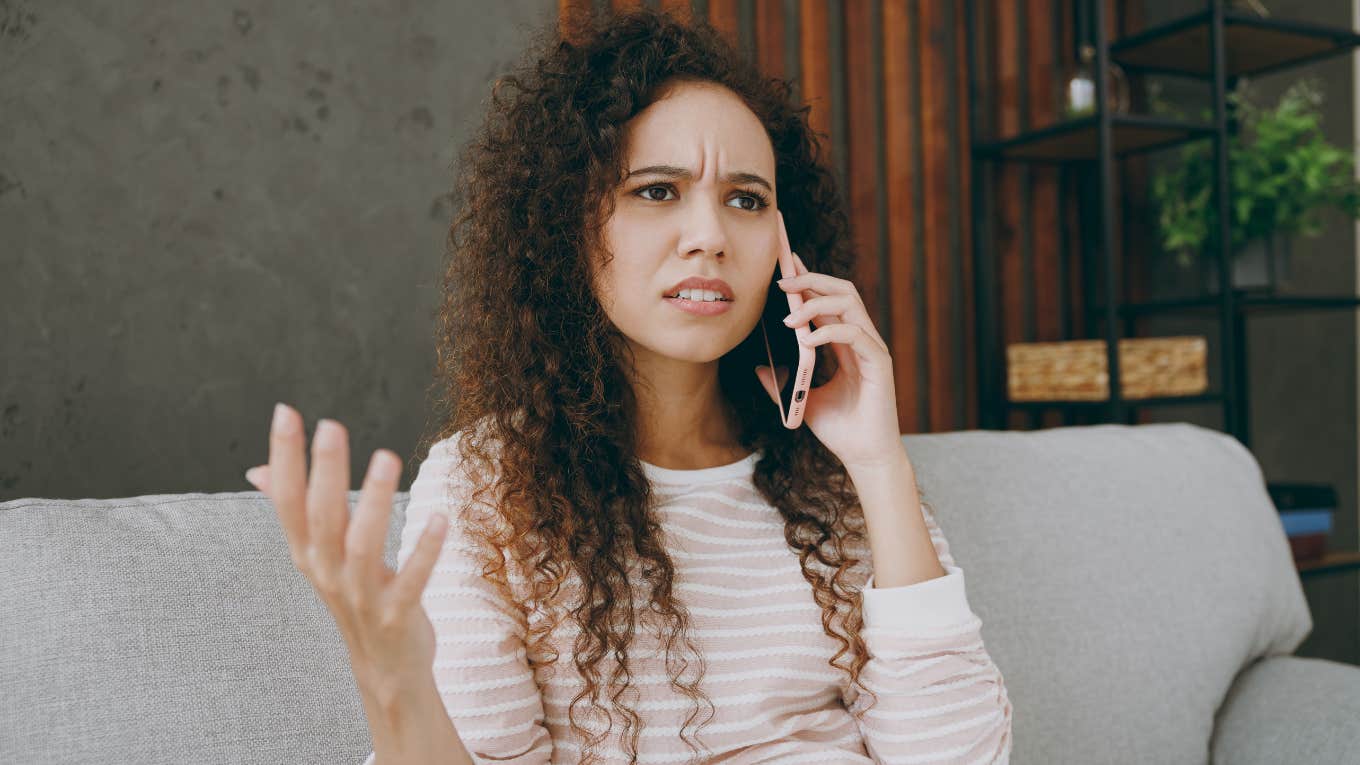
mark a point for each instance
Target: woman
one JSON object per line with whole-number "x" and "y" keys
{"x": 616, "y": 508}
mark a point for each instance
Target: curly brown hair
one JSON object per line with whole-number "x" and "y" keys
{"x": 531, "y": 375}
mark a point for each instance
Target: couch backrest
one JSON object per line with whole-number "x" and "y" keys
{"x": 168, "y": 629}
{"x": 1123, "y": 576}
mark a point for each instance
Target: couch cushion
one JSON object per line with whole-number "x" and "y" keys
{"x": 168, "y": 629}
{"x": 1290, "y": 709}
{"x": 1123, "y": 575}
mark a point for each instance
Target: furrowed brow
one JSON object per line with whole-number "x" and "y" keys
{"x": 671, "y": 171}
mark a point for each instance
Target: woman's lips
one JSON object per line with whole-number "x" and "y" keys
{"x": 700, "y": 307}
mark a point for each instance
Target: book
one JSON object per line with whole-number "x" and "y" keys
{"x": 1308, "y": 546}
{"x": 1300, "y": 522}
{"x": 1306, "y": 513}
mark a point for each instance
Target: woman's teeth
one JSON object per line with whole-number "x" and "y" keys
{"x": 704, "y": 295}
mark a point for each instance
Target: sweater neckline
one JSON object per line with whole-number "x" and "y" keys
{"x": 740, "y": 468}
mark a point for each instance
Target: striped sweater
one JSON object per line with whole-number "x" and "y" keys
{"x": 940, "y": 697}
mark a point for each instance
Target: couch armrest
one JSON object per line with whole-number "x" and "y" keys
{"x": 1289, "y": 709}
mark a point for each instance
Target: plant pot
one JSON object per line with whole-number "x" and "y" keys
{"x": 1252, "y": 266}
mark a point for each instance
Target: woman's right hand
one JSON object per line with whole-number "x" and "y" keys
{"x": 378, "y": 611}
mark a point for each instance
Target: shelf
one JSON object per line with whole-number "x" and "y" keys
{"x": 1203, "y": 398}
{"x": 1244, "y": 303}
{"x": 1079, "y": 139}
{"x": 1249, "y": 45}
{"x": 1252, "y": 45}
{"x": 1337, "y": 560}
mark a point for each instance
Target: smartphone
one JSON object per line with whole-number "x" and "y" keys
{"x": 782, "y": 346}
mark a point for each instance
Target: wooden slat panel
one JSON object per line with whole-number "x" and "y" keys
{"x": 1071, "y": 206}
{"x": 1010, "y": 266}
{"x": 897, "y": 138}
{"x": 965, "y": 213}
{"x": 1076, "y": 305}
{"x": 937, "y": 94}
{"x": 1043, "y": 193}
{"x": 623, "y": 5}
{"x": 770, "y": 37}
{"x": 569, "y": 11}
{"x": 725, "y": 17}
{"x": 680, "y": 9}
{"x": 863, "y": 184}
{"x": 816, "y": 72}
{"x": 567, "y": 6}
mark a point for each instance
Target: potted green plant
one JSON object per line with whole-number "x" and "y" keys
{"x": 1282, "y": 173}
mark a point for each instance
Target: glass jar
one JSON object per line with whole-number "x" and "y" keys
{"x": 1079, "y": 95}
{"x": 1255, "y": 7}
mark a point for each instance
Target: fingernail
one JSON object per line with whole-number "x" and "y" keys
{"x": 327, "y": 432}
{"x": 280, "y": 417}
{"x": 384, "y": 467}
{"x": 252, "y": 476}
{"x": 789, "y": 320}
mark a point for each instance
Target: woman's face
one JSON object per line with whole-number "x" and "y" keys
{"x": 705, "y": 223}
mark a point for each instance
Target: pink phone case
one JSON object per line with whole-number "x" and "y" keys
{"x": 806, "y": 356}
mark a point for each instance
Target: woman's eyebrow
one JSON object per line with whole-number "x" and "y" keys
{"x": 671, "y": 171}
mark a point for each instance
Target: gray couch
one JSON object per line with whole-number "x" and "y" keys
{"x": 1135, "y": 586}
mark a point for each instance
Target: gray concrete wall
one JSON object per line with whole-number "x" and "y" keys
{"x": 1302, "y": 365}
{"x": 206, "y": 208}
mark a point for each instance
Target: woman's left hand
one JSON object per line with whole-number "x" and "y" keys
{"x": 854, "y": 414}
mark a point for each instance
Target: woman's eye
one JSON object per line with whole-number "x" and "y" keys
{"x": 758, "y": 201}
{"x": 652, "y": 188}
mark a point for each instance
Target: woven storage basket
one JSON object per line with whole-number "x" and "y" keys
{"x": 1075, "y": 370}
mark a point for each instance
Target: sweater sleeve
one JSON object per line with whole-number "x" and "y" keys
{"x": 940, "y": 697}
{"x": 480, "y": 665}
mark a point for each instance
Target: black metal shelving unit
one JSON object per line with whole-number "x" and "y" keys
{"x": 1216, "y": 44}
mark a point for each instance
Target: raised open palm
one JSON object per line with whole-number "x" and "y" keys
{"x": 377, "y": 610}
